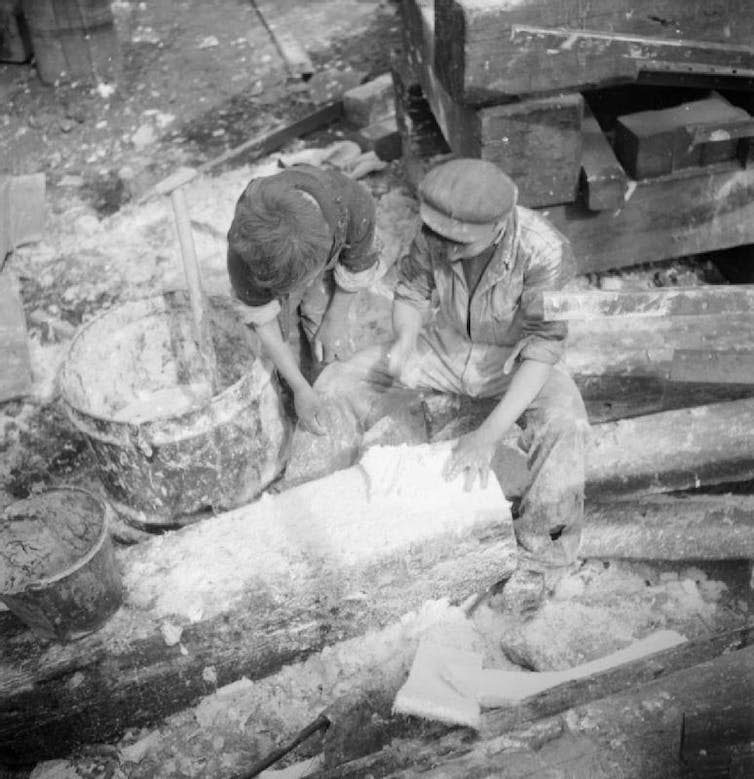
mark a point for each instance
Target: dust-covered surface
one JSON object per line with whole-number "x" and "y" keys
{"x": 596, "y": 610}
{"x": 198, "y": 81}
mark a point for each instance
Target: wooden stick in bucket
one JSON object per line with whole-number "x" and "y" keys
{"x": 199, "y": 308}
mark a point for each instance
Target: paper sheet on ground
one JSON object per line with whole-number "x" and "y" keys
{"x": 450, "y": 685}
{"x": 491, "y": 687}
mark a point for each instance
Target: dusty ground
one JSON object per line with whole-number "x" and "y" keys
{"x": 201, "y": 76}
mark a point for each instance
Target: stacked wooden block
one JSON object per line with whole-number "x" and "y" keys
{"x": 548, "y": 91}
{"x": 370, "y": 109}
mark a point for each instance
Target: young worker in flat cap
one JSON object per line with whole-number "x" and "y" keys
{"x": 483, "y": 259}
{"x": 302, "y": 238}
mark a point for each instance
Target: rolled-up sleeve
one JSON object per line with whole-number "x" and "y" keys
{"x": 549, "y": 269}
{"x": 416, "y": 280}
{"x": 359, "y": 253}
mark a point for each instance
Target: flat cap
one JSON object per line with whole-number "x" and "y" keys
{"x": 462, "y": 199}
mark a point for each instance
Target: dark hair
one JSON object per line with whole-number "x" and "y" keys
{"x": 280, "y": 235}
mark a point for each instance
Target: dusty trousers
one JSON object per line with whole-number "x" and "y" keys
{"x": 555, "y": 430}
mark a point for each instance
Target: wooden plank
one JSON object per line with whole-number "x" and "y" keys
{"x": 293, "y": 53}
{"x": 603, "y": 179}
{"x": 672, "y": 450}
{"x": 691, "y": 212}
{"x": 698, "y": 660}
{"x": 644, "y": 346}
{"x": 659, "y": 302}
{"x": 691, "y": 527}
{"x": 489, "y": 51}
{"x": 253, "y": 590}
{"x": 699, "y": 132}
{"x": 538, "y": 142}
{"x": 714, "y": 367}
{"x": 15, "y": 376}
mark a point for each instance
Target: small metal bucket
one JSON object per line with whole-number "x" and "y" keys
{"x": 57, "y": 568}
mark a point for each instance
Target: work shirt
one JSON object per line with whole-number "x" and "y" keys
{"x": 349, "y": 211}
{"x": 531, "y": 257}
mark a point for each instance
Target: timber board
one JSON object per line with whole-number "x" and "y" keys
{"x": 488, "y": 51}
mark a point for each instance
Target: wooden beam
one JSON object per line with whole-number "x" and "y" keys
{"x": 252, "y": 590}
{"x": 15, "y": 377}
{"x": 690, "y": 212}
{"x": 685, "y": 678}
{"x": 293, "y": 53}
{"x": 645, "y": 346}
{"x": 537, "y": 142}
{"x": 691, "y": 527}
{"x": 714, "y": 367}
{"x": 604, "y": 181}
{"x": 672, "y": 450}
{"x": 659, "y": 302}
{"x": 488, "y": 51}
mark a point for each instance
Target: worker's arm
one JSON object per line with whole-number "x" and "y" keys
{"x": 331, "y": 341}
{"x": 310, "y": 405}
{"x": 407, "y": 323}
{"x": 473, "y": 452}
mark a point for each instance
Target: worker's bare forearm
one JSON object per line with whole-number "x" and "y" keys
{"x": 525, "y": 385}
{"x": 280, "y": 354}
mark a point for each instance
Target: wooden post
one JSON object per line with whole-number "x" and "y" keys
{"x": 199, "y": 304}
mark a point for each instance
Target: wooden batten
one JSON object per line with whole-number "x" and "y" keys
{"x": 252, "y": 590}
{"x": 659, "y": 302}
{"x": 490, "y": 51}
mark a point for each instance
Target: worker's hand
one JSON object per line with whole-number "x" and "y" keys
{"x": 471, "y": 456}
{"x": 398, "y": 357}
{"x": 311, "y": 409}
{"x": 332, "y": 341}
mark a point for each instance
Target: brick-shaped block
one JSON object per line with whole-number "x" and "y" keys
{"x": 383, "y": 138}
{"x": 701, "y": 132}
{"x": 371, "y": 102}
